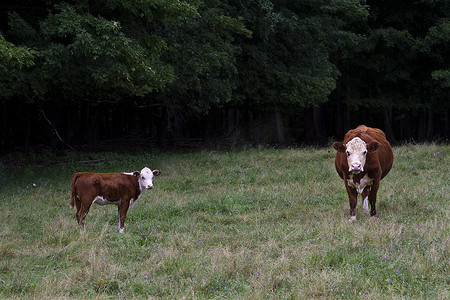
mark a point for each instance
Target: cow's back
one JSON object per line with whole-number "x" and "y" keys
{"x": 86, "y": 184}
{"x": 374, "y": 133}
{"x": 113, "y": 186}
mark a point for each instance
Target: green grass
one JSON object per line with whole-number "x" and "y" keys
{"x": 255, "y": 224}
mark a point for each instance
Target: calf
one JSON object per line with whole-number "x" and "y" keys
{"x": 362, "y": 160}
{"x": 121, "y": 189}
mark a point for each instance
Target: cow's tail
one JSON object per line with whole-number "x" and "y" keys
{"x": 74, "y": 189}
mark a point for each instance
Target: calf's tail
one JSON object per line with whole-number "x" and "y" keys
{"x": 74, "y": 189}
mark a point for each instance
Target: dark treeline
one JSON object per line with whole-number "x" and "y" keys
{"x": 212, "y": 73}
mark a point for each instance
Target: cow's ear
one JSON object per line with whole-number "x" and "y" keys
{"x": 156, "y": 172}
{"x": 339, "y": 147}
{"x": 136, "y": 173}
{"x": 372, "y": 147}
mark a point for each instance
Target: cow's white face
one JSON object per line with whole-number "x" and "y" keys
{"x": 146, "y": 178}
{"x": 356, "y": 155}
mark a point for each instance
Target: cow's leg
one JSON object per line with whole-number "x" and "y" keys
{"x": 373, "y": 197}
{"x": 353, "y": 201}
{"x": 77, "y": 202}
{"x": 123, "y": 208}
{"x": 78, "y": 206}
{"x": 365, "y": 199}
{"x": 81, "y": 214}
{"x": 118, "y": 214}
{"x": 78, "y": 214}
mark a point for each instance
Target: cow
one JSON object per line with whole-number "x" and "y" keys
{"x": 362, "y": 160}
{"x": 121, "y": 189}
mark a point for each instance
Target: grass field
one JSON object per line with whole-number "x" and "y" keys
{"x": 254, "y": 224}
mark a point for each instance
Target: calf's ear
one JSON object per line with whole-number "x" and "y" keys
{"x": 136, "y": 173}
{"x": 156, "y": 172}
{"x": 372, "y": 147}
{"x": 339, "y": 147}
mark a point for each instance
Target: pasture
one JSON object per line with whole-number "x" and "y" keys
{"x": 253, "y": 224}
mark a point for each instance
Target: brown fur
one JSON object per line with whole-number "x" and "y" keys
{"x": 117, "y": 187}
{"x": 379, "y": 161}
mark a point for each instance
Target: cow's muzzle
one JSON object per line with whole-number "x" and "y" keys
{"x": 356, "y": 168}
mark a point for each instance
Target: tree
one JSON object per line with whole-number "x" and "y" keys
{"x": 82, "y": 53}
{"x": 13, "y": 62}
{"x": 286, "y": 65}
{"x": 202, "y": 51}
{"x": 399, "y": 64}
{"x": 13, "y": 59}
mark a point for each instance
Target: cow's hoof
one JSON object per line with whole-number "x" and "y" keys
{"x": 352, "y": 219}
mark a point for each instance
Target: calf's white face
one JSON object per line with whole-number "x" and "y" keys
{"x": 146, "y": 178}
{"x": 356, "y": 155}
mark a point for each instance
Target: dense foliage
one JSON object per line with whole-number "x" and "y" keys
{"x": 222, "y": 71}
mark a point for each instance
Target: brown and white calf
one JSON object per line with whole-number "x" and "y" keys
{"x": 362, "y": 160}
{"x": 121, "y": 189}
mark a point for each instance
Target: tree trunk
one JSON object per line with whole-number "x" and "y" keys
{"x": 308, "y": 125}
{"x": 234, "y": 130}
{"x": 388, "y": 124}
{"x": 91, "y": 130}
{"x": 230, "y": 122}
{"x": 27, "y": 133}
{"x": 207, "y": 128}
{"x": 446, "y": 129}
{"x": 279, "y": 126}
{"x": 340, "y": 126}
{"x": 407, "y": 132}
{"x": 69, "y": 112}
{"x": 347, "y": 119}
{"x": 257, "y": 127}
{"x": 421, "y": 132}
{"x": 162, "y": 126}
{"x": 318, "y": 123}
{"x": 177, "y": 129}
{"x": 430, "y": 125}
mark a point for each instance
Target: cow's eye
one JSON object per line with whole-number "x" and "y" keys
{"x": 348, "y": 153}
{"x": 143, "y": 178}
{"x": 365, "y": 152}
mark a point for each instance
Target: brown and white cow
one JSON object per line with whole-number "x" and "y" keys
{"x": 121, "y": 189}
{"x": 362, "y": 160}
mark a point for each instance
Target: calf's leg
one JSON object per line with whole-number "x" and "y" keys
{"x": 123, "y": 208}
{"x": 81, "y": 214}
